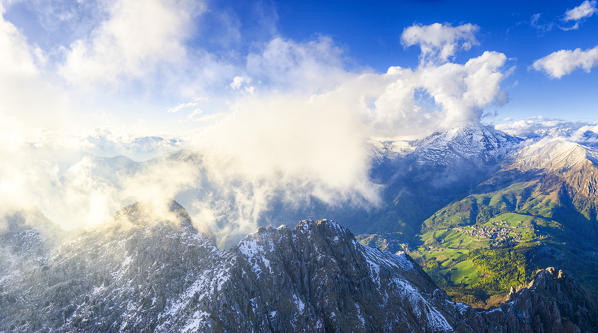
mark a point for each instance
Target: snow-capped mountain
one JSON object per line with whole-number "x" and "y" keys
{"x": 477, "y": 144}
{"x": 539, "y": 128}
{"x": 105, "y": 143}
{"x": 556, "y": 154}
{"x": 571, "y": 167}
{"x": 430, "y": 174}
{"x": 454, "y": 159}
{"x": 165, "y": 276}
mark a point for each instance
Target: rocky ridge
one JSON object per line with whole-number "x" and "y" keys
{"x": 165, "y": 276}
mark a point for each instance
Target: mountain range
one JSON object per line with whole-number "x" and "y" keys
{"x": 482, "y": 195}
{"x": 141, "y": 274}
{"x": 468, "y": 221}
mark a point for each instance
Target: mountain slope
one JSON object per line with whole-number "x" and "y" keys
{"x": 541, "y": 208}
{"x": 164, "y": 276}
{"x": 479, "y": 145}
{"x": 442, "y": 167}
{"x": 26, "y": 238}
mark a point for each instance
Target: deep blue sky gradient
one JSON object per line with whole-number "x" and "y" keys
{"x": 369, "y": 34}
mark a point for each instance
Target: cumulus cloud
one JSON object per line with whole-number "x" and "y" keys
{"x": 136, "y": 37}
{"x": 17, "y": 57}
{"x": 25, "y": 92}
{"x": 285, "y": 64}
{"x": 439, "y": 42}
{"x": 301, "y": 144}
{"x": 290, "y": 137}
{"x": 585, "y": 9}
{"x": 458, "y": 92}
{"x": 585, "y": 133}
{"x": 280, "y": 146}
{"x": 289, "y": 121}
{"x": 563, "y": 62}
{"x": 242, "y": 83}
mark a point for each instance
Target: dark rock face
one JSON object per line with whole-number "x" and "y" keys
{"x": 555, "y": 296}
{"x": 165, "y": 276}
{"x": 318, "y": 277}
{"x": 553, "y": 302}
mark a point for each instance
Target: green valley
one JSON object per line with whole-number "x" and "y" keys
{"x": 479, "y": 247}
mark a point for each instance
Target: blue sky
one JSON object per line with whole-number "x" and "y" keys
{"x": 103, "y": 68}
{"x": 370, "y": 32}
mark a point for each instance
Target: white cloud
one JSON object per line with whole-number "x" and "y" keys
{"x": 26, "y": 94}
{"x": 194, "y": 114}
{"x": 563, "y": 62}
{"x": 535, "y": 23}
{"x": 106, "y": 143}
{"x": 576, "y": 15}
{"x": 459, "y": 92}
{"x": 238, "y": 81}
{"x": 17, "y": 58}
{"x": 283, "y": 64}
{"x": 538, "y": 127}
{"x": 195, "y": 102}
{"x": 182, "y": 106}
{"x": 132, "y": 41}
{"x": 439, "y": 42}
{"x": 301, "y": 132}
{"x": 242, "y": 82}
{"x": 298, "y": 144}
{"x": 585, "y": 9}
{"x": 57, "y": 176}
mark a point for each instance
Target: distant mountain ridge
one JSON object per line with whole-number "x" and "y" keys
{"x": 538, "y": 203}
{"x": 476, "y": 144}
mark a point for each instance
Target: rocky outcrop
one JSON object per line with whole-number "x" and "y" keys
{"x": 552, "y": 302}
{"x": 165, "y": 276}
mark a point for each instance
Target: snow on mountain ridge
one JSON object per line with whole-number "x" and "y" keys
{"x": 585, "y": 133}
{"x": 169, "y": 277}
{"x": 478, "y": 144}
{"x": 555, "y": 154}
{"x": 314, "y": 277}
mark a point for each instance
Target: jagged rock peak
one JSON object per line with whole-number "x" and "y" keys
{"x": 140, "y": 213}
{"x": 313, "y": 278}
{"x": 552, "y": 302}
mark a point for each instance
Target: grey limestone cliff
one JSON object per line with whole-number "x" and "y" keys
{"x": 164, "y": 276}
